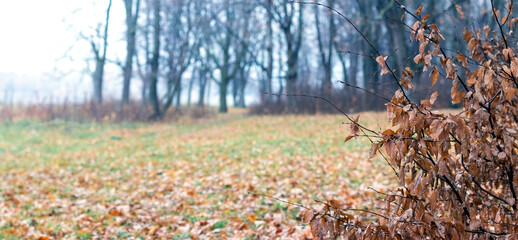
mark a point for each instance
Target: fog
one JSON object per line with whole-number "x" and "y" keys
{"x": 207, "y": 49}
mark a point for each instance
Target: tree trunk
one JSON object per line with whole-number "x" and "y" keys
{"x": 242, "y": 86}
{"x": 291, "y": 80}
{"x": 235, "y": 90}
{"x": 98, "y": 81}
{"x": 203, "y": 86}
{"x": 153, "y": 93}
{"x": 178, "y": 93}
{"x": 269, "y": 49}
{"x": 223, "y": 97}
{"x": 131, "y": 33}
{"x": 100, "y": 60}
{"x": 326, "y": 51}
{"x": 189, "y": 93}
{"x": 293, "y": 44}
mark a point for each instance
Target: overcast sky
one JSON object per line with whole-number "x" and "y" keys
{"x": 40, "y": 54}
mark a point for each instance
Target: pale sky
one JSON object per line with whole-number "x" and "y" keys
{"x": 43, "y": 59}
{"x": 40, "y": 51}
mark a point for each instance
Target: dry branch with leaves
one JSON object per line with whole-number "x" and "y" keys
{"x": 457, "y": 172}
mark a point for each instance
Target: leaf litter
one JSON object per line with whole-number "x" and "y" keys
{"x": 181, "y": 181}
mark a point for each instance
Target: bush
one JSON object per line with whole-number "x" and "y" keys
{"x": 457, "y": 172}
{"x": 87, "y": 111}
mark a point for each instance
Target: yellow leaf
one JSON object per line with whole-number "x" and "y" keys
{"x": 52, "y": 197}
{"x": 152, "y": 230}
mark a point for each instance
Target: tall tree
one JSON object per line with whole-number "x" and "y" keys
{"x": 180, "y": 46}
{"x": 239, "y": 83}
{"x": 99, "y": 50}
{"x": 269, "y": 50}
{"x": 326, "y": 44}
{"x": 370, "y": 29}
{"x": 153, "y": 78}
{"x": 291, "y": 24}
{"x": 132, "y": 13}
{"x": 230, "y": 51}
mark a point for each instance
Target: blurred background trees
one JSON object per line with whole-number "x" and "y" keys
{"x": 255, "y": 52}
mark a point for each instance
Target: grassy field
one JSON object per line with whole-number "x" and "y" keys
{"x": 66, "y": 180}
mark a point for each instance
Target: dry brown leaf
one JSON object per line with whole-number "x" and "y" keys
{"x": 381, "y": 61}
{"x": 335, "y": 204}
{"x": 418, "y": 11}
{"x": 434, "y": 97}
{"x": 459, "y": 11}
{"x": 434, "y": 75}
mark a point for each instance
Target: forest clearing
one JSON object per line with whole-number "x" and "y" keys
{"x": 139, "y": 152}
{"x": 69, "y": 180}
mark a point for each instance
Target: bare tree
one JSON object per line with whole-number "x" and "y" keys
{"x": 143, "y": 50}
{"x": 180, "y": 47}
{"x": 285, "y": 14}
{"x": 131, "y": 32}
{"x": 153, "y": 77}
{"x": 269, "y": 50}
{"x": 326, "y": 49}
{"x": 99, "y": 50}
{"x": 230, "y": 51}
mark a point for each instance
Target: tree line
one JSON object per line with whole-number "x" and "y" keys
{"x": 180, "y": 48}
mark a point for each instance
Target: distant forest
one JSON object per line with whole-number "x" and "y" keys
{"x": 179, "y": 48}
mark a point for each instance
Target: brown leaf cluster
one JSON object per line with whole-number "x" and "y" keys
{"x": 458, "y": 173}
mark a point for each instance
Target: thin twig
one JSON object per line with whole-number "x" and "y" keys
{"x": 396, "y": 79}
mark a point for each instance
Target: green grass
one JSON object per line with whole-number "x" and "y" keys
{"x": 174, "y": 180}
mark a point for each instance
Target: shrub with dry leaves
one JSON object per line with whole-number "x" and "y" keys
{"x": 457, "y": 173}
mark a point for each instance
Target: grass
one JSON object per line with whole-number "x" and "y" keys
{"x": 83, "y": 180}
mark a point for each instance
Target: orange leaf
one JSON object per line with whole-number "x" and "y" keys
{"x": 418, "y": 11}
{"x": 348, "y": 138}
{"x": 115, "y": 212}
{"x": 356, "y": 119}
{"x": 335, "y": 203}
{"x": 386, "y": 133}
{"x": 434, "y": 75}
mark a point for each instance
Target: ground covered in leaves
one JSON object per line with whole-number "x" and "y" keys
{"x": 68, "y": 180}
